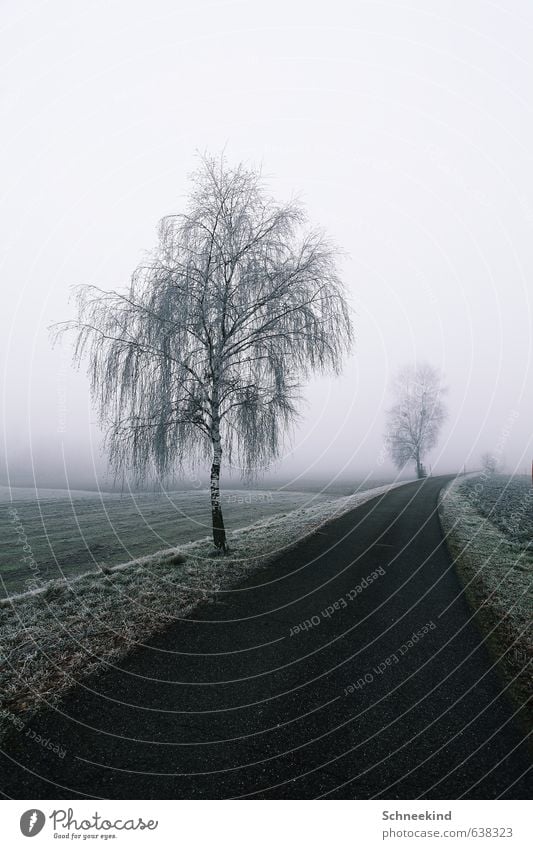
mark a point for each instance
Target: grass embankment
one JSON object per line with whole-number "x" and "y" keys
{"x": 488, "y": 523}
{"x": 68, "y": 629}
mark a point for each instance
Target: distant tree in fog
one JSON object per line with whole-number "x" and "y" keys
{"x": 414, "y": 421}
{"x": 203, "y": 356}
{"x": 491, "y": 464}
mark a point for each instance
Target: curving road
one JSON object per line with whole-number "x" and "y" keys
{"x": 303, "y": 683}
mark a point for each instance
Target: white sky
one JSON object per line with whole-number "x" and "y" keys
{"x": 406, "y": 129}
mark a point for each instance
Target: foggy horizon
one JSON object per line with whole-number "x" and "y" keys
{"x": 404, "y": 135}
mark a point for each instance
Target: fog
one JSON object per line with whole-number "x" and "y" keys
{"x": 406, "y": 131}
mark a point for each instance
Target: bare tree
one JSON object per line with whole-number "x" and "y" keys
{"x": 491, "y": 464}
{"x": 413, "y": 423}
{"x": 203, "y": 356}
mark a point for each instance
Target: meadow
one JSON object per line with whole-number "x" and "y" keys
{"x": 507, "y": 502}
{"x": 67, "y": 629}
{"x": 63, "y": 534}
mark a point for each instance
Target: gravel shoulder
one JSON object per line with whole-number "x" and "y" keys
{"x": 488, "y": 524}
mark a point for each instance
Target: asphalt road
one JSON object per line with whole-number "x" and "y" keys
{"x": 234, "y": 705}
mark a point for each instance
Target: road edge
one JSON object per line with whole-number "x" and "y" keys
{"x": 506, "y": 645}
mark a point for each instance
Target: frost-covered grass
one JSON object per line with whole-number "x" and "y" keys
{"x": 72, "y": 533}
{"x": 507, "y": 502}
{"x": 488, "y": 524}
{"x": 63, "y": 632}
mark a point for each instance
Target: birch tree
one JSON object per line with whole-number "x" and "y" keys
{"x": 203, "y": 356}
{"x": 414, "y": 421}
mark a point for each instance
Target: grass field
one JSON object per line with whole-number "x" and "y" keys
{"x": 488, "y": 522}
{"x": 507, "y": 502}
{"x": 68, "y": 629}
{"x": 65, "y": 534}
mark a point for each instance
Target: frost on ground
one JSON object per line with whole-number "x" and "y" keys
{"x": 67, "y": 629}
{"x": 507, "y": 502}
{"x": 69, "y": 533}
{"x": 488, "y": 522}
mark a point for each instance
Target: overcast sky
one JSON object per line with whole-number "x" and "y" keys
{"x": 406, "y": 130}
